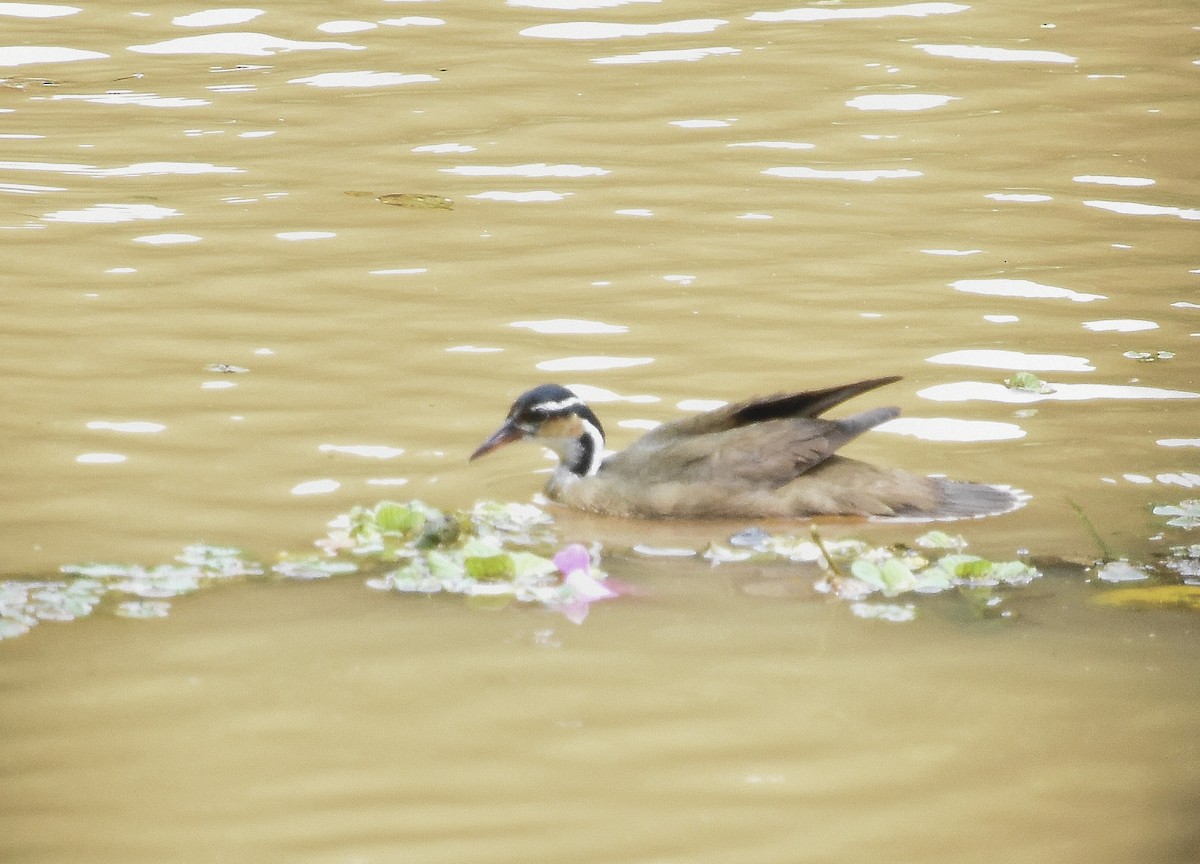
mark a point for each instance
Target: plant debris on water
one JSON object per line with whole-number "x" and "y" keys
{"x": 1027, "y": 382}
{"x": 501, "y": 554}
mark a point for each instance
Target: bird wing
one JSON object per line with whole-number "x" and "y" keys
{"x": 768, "y": 453}
{"x": 810, "y": 403}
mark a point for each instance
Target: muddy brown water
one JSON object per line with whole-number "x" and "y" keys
{"x": 668, "y": 203}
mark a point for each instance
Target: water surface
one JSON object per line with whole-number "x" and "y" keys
{"x": 669, "y": 203}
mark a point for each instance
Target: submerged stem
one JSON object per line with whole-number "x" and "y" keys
{"x": 833, "y": 567}
{"x": 1105, "y": 552}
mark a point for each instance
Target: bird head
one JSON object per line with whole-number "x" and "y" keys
{"x": 557, "y": 418}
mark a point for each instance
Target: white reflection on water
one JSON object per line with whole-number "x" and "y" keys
{"x": 167, "y": 240}
{"x": 604, "y": 30}
{"x": 862, "y": 176}
{"x": 37, "y": 10}
{"x": 1106, "y": 180}
{"x": 775, "y": 145}
{"x": 413, "y": 21}
{"x": 316, "y": 487}
{"x": 1024, "y": 197}
{"x": 1022, "y": 288}
{"x": 899, "y": 101}
{"x": 251, "y": 44}
{"x": 128, "y": 97}
{"x": 993, "y": 358}
{"x": 100, "y": 458}
{"x": 951, "y": 429}
{"x": 1120, "y": 325}
{"x": 137, "y": 427}
{"x": 216, "y": 17}
{"x": 368, "y": 451}
{"x": 1002, "y": 55}
{"x": 361, "y": 79}
{"x": 535, "y": 169}
{"x": 139, "y": 169}
{"x": 908, "y": 10}
{"x": 700, "y": 404}
{"x": 535, "y": 196}
{"x": 1131, "y": 208}
{"x": 569, "y": 325}
{"x": 293, "y": 236}
{"x": 592, "y": 394}
{"x": 19, "y": 55}
{"x": 449, "y": 147}
{"x": 346, "y": 26}
{"x": 574, "y": 5}
{"x": 110, "y": 213}
{"x": 581, "y": 364}
{"x": 700, "y": 123}
{"x": 987, "y": 391}
{"x": 685, "y": 55}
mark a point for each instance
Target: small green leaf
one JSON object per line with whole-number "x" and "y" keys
{"x": 1027, "y": 382}
{"x": 896, "y": 577}
{"x": 493, "y": 568}
{"x": 866, "y": 571}
{"x": 979, "y": 568}
{"x": 941, "y": 540}
{"x": 398, "y": 518}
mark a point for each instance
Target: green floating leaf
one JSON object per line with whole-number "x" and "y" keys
{"x": 1149, "y": 356}
{"x": 975, "y": 569}
{"x": 399, "y": 518}
{"x": 868, "y": 572}
{"x": 1028, "y": 383}
{"x": 492, "y": 568}
{"x": 941, "y": 540}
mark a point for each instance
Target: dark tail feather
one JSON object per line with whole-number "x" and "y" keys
{"x": 856, "y": 424}
{"x": 809, "y": 404}
{"x": 964, "y": 500}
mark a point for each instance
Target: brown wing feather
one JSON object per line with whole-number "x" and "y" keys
{"x": 811, "y": 403}
{"x": 766, "y": 454}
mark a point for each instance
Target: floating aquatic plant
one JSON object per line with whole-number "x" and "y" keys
{"x": 1149, "y": 356}
{"x": 1185, "y": 515}
{"x": 1028, "y": 383}
{"x": 855, "y": 570}
{"x": 501, "y": 552}
{"x": 23, "y": 604}
{"x": 497, "y": 555}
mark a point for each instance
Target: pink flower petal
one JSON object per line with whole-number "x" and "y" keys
{"x": 588, "y": 587}
{"x": 576, "y": 612}
{"x": 573, "y": 558}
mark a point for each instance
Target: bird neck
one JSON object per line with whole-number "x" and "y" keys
{"x": 581, "y": 455}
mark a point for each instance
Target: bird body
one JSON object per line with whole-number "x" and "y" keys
{"x": 761, "y": 458}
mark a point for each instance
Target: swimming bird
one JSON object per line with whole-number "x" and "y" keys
{"x": 761, "y": 458}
